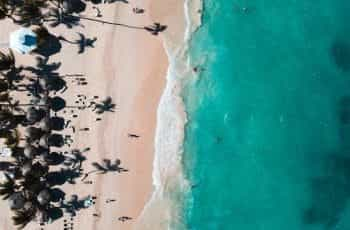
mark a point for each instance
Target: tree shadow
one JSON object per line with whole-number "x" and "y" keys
{"x": 54, "y": 158}
{"x": 4, "y": 165}
{"x": 55, "y": 213}
{"x": 33, "y": 133}
{"x": 74, "y": 204}
{"x": 107, "y": 166}
{"x": 53, "y": 83}
{"x": 84, "y": 42}
{"x": 56, "y": 140}
{"x": 74, "y": 160}
{"x": 156, "y": 28}
{"x": 34, "y": 115}
{"x": 44, "y": 68}
{"x": 113, "y": 1}
{"x": 57, "y": 195}
{"x": 104, "y": 106}
{"x": 63, "y": 176}
{"x": 75, "y": 6}
{"x": 50, "y": 47}
{"x": 57, "y": 103}
{"x": 56, "y": 123}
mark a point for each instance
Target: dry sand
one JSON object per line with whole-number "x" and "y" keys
{"x": 130, "y": 66}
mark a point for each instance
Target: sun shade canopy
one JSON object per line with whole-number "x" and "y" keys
{"x": 23, "y": 40}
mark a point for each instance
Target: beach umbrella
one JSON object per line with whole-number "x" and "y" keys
{"x": 23, "y": 40}
{"x": 88, "y": 202}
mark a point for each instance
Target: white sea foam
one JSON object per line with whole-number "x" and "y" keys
{"x": 163, "y": 211}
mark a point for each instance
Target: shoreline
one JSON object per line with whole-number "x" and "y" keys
{"x": 163, "y": 210}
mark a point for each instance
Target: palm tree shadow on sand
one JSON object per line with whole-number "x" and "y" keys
{"x": 83, "y": 42}
{"x": 104, "y": 106}
{"x": 106, "y": 167}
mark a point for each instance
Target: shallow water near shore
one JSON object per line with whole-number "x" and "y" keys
{"x": 268, "y": 132}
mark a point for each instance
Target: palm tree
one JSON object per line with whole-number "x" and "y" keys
{"x": 42, "y": 215}
{"x": 23, "y": 217}
{"x": 5, "y": 97}
{"x": 16, "y": 201}
{"x": 6, "y": 9}
{"x": 57, "y": 17}
{"x": 39, "y": 170}
{"x": 12, "y": 75}
{"x": 3, "y": 10}
{"x": 72, "y": 6}
{"x": 6, "y": 118}
{"x": 105, "y": 106}
{"x": 12, "y": 138}
{"x": 33, "y": 115}
{"x": 7, "y": 61}
{"x": 8, "y": 187}
{"x": 33, "y": 133}
{"x": 4, "y": 86}
{"x": 30, "y": 13}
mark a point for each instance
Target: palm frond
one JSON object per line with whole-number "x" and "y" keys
{"x": 7, "y": 188}
{"x": 23, "y": 217}
{"x": 7, "y": 61}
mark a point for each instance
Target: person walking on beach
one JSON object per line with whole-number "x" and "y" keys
{"x": 110, "y": 200}
{"x": 137, "y": 10}
{"x": 124, "y": 218}
{"x": 98, "y": 11}
{"x": 85, "y": 176}
{"x": 133, "y": 135}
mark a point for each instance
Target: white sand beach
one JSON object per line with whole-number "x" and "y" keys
{"x": 129, "y": 65}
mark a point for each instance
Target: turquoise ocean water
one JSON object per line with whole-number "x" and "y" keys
{"x": 268, "y": 139}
